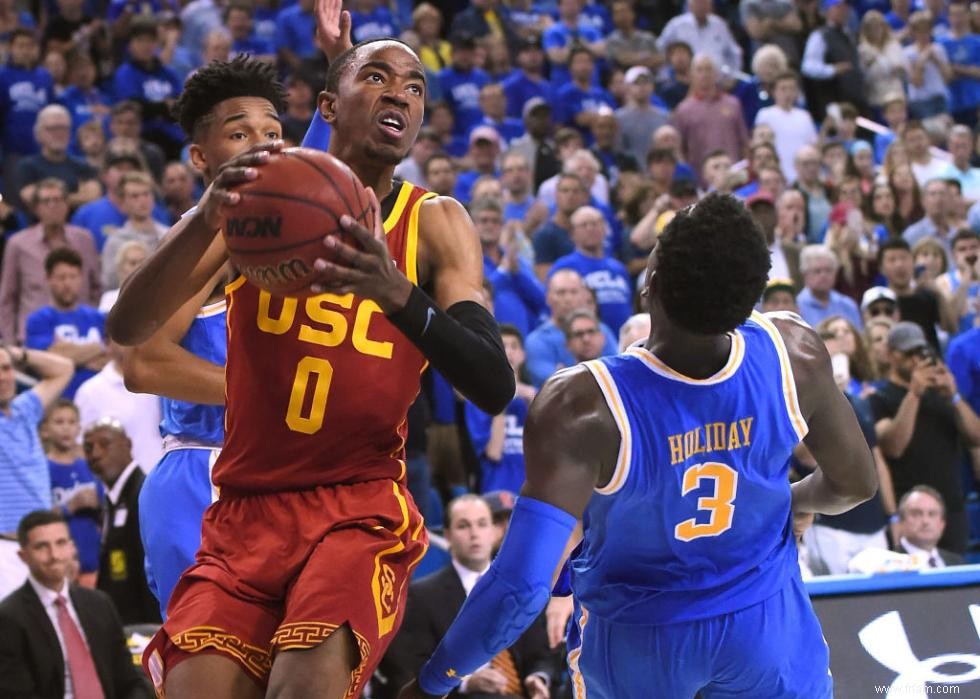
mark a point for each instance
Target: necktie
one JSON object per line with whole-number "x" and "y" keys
{"x": 84, "y": 679}
{"x": 503, "y": 663}
{"x": 933, "y": 563}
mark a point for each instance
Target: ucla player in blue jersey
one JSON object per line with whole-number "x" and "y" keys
{"x": 226, "y": 108}
{"x": 674, "y": 456}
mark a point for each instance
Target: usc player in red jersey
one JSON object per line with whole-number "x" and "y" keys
{"x": 302, "y": 574}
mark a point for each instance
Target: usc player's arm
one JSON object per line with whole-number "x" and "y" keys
{"x": 450, "y": 259}
{"x": 161, "y": 366}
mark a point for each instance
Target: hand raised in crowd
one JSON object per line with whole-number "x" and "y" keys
{"x": 487, "y": 680}
{"x": 510, "y": 242}
{"x": 85, "y": 499}
{"x": 332, "y": 27}
{"x": 944, "y": 381}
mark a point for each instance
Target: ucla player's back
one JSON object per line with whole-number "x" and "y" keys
{"x": 703, "y": 465}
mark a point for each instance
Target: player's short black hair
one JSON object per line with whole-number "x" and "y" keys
{"x": 223, "y": 80}
{"x": 893, "y": 244}
{"x": 712, "y": 266}
{"x": 62, "y": 256}
{"x": 35, "y": 519}
{"x": 340, "y": 64}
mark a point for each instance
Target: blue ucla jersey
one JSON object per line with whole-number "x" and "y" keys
{"x": 702, "y": 473}
{"x": 206, "y": 338}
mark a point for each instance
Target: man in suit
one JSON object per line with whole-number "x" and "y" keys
{"x": 921, "y": 521}
{"x": 434, "y": 601}
{"x": 122, "y": 575}
{"x": 57, "y": 637}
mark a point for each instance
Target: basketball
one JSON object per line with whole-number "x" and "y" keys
{"x": 276, "y": 231}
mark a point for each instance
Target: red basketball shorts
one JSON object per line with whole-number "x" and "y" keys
{"x": 282, "y": 571}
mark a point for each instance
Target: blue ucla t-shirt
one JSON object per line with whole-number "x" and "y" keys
{"x": 66, "y": 481}
{"x": 378, "y": 24}
{"x": 508, "y": 472}
{"x": 23, "y": 93}
{"x": 462, "y": 92}
{"x": 964, "y": 93}
{"x": 81, "y": 325}
{"x": 610, "y": 281}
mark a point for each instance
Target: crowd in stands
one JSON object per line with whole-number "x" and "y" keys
{"x": 572, "y": 130}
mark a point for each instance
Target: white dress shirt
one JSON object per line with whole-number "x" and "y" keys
{"x": 780, "y": 267}
{"x": 48, "y": 597}
{"x": 923, "y": 555}
{"x": 105, "y": 395}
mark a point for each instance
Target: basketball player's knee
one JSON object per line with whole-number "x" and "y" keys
{"x": 324, "y": 671}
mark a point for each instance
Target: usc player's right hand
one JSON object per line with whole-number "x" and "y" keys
{"x": 242, "y": 168}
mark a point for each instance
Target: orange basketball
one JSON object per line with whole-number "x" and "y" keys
{"x": 276, "y": 231}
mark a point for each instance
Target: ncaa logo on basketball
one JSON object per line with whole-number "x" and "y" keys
{"x": 254, "y": 227}
{"x": 284, "y": 272}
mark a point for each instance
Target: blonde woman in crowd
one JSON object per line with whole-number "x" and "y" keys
{"x": 885, "y": 68}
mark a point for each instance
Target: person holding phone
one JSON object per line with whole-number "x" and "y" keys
{"x": 920, "y": 422}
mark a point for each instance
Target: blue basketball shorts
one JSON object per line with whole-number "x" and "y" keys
{"x": 773, "y": 649}
{"x": 172, "y": 503}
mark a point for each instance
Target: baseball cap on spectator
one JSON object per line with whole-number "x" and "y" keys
{"x": 484, "y": 133}
{"x": 501, "y": 502}
{"x": 637, "y": 73}
{"x": 906, "y": 337}
{"x": 778, "y": 284}
{"x": 827, "y": 4}
{"x": 462, "y": 40}
{"x": 119, "y": 157}
{"x": 760, "y": 197}
{"x": 533, "y": 104}
{"x": 876, "y": 294}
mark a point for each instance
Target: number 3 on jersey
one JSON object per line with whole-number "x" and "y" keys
{"x": 720, "y": 503}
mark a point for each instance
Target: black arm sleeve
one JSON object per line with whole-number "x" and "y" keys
{"x": 464, "y": 345}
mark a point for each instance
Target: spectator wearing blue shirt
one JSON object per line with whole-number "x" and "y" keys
{"x": 264, "y": 17}
{"x": 498, "y": 441}
{"x": 493, "y": 104}
{"x": 818, "y": 300}
{"x": 898, "y": 16}
{"x": 483, "y": 153}
{"x": 963, "y": 358}
{"x": 518, "y": 297}
{"x": 571, "y": 30}
{"x": 580, "y": 101}
{"x": 461, "y": 84}
{"x": 961, "y": 284}
{"x": 83, "y": 99}
{"x": 296, "y": 31}
{"x": 74, "y": 490}
{"x": 105, "y": 213}
{"x": 239, "y": 23}
{"x": 25, "y": 484}
{"x": 199, "y": 18}
{"x": 144, "y": 79}
{"x": 547, "y": 350}
{"x": 25, "y": 89}
{"x": 66, "y": 326}
{"x": 553, "y": 239}
{"x": 605, "y": 276}
{"x": 371, "y": 19}
{"x": 963, "y": 49}
{"x": 529, "y": 80}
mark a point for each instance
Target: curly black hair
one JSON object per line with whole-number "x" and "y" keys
{"x": 712, "y": 266}
{"x": 223, "y": 80}
{"x": 338, "y": 65}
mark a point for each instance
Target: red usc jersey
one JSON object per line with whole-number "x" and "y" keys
{"x": 318, "y": 389}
